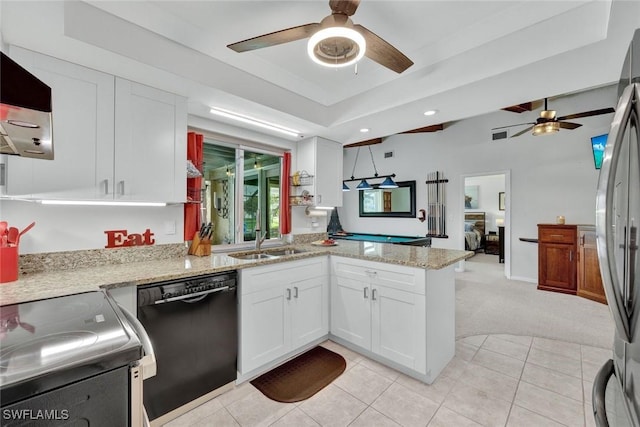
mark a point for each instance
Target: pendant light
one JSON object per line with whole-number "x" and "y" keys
{"x": 364, "y": 185}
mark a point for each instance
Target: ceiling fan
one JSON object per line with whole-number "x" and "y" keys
{"x": 549, "y": 123}
{"x": 334, "y": 42}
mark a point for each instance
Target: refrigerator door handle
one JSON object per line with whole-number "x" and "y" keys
{"x": 598, "y": 393}
{"x": 605, "y": 211}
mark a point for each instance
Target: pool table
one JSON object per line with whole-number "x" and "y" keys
{"x": 385, "y": 238}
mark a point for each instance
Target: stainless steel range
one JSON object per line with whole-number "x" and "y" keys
{"x": 71, "y": 359}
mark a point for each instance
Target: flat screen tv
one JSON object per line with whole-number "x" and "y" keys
{"x": 597, "y": 145}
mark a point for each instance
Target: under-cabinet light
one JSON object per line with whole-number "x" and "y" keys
{"x": 253, "y": 121}
{"x": 99, "y": 203}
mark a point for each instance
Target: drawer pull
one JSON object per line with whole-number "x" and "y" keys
{"x": 557, "y": 235}
{"x": 373, "y": 295}
{"x": 295, "y": 292}
{"x": 288, "y": 293}
{"x": 366, "y": 295}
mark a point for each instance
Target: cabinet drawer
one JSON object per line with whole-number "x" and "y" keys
{"x": 557, "y": 235}
{"x": 377, "y": 273}
{"x": 256, "y": 279}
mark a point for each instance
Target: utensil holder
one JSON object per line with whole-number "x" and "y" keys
{"x": 200, "y": 247}
{"x": 8, "y": 264}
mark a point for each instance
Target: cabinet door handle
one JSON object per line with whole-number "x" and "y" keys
{"x": 373, "y": 294}
{"x": 122, "y": 188}
{"x": 570, "y": 256}
{"x": 582, "y": 240}
{"x": 288, "y": 293}
{"x": 295, "y": 292}
{"x": 106, "y": 186}
{"x": 366, "y": 295}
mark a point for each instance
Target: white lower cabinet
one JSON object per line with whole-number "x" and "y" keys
{"x": 283, "y": 307}
{"x": 380, "y": 308}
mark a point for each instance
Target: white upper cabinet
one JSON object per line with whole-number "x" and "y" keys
{"x": 323, "y": 159}
{"x": 150, "y": 144}
{"x": 112, "y": 139}
{"x": 83, "y": 129}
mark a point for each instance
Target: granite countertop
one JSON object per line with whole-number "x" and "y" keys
{"x": 30, "y": 287}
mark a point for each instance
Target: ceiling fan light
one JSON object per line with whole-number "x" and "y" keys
{"x": 338, "y": 34}
{"x": 345, "y": 187}
{"x": 364, "y": 185}
{"x": 546, "y": 128}
{"x": 388, "y": 183}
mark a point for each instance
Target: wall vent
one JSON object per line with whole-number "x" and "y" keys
{"x": 499, "y": 134}
{"x": 388, "y": 154}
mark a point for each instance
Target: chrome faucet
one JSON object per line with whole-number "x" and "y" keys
{"x": 259, "y": 237}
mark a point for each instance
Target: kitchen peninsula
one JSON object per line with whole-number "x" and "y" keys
{"x": 393, "y": 303}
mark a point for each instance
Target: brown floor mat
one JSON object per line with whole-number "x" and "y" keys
{"x": 302, "y": 377}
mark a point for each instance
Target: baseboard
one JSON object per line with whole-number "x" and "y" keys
{"x": 524, "y": 279}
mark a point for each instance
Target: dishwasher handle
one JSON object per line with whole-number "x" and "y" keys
{"x": 192, "y": 297}
{"x": 148, "y": 362}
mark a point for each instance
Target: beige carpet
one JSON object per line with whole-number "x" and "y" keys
{"x": 488, "y": 303}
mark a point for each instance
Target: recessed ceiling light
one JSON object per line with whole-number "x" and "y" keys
{"x": 364, "y": 130}
{"x": 430, "y": 112}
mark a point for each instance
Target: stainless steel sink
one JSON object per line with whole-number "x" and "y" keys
{"x": 252, "y": 256}
{"x": 284, "y": 252}
{"x": 267, "y": 254}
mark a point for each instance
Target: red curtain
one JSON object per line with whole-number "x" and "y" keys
{"x": 192, "y": 212}
{"x": 285, "y": 209}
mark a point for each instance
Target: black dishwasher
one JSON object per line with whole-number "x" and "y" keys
{"x": 193, "y": 326}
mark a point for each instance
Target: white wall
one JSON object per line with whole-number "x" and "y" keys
{"x": 67, "y": 228}
{"x": 550, "y": 175}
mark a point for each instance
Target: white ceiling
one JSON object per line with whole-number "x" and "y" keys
{"x": 471, "y": 57}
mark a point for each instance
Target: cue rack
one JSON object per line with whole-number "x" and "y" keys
{"x": 436, "y": 212}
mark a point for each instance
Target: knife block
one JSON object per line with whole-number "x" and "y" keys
{"x": 200, "y": 247}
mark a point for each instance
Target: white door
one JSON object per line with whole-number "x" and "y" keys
{"x": 309, "y": 311}
{"x": 398, "y": 325}
{"x": 351, "y": 311}
{"x": 265, "y": 325}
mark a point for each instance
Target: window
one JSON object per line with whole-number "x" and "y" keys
{"x": 256, "y": 187}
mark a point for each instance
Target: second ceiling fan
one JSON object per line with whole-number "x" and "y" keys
{"x": 335, "y": 42}
{"x": 549, "y": 123}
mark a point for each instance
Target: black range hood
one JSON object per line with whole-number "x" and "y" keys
{"x": 25, "y": 112}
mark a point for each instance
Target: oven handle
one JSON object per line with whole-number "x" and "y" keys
{"x": 192, "y": 297}
{"x": 148, "y": 361}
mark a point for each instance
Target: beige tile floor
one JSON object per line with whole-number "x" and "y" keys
{"x": 494, "y": 380}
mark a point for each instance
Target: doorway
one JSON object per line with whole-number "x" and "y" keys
{"x": 487, "y": 195}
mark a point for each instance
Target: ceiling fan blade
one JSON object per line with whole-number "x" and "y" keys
{"x": 510, "y": 126}
{"x": 522, "y": 132}
{"x": 382, "y": 52}
{"x": 346, "y": 7}
{"x": 278, "y": 37}
{"x": 588, "y": 114}
{"x": 569, "y": 125}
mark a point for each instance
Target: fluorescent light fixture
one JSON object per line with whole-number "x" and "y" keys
{"x": 324, "y": 208}
{"x": 253, "y": 121}
{"x": 430, "y": 112}
{"x": 99, "y": 203}
{"x": 329, "y": 48}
